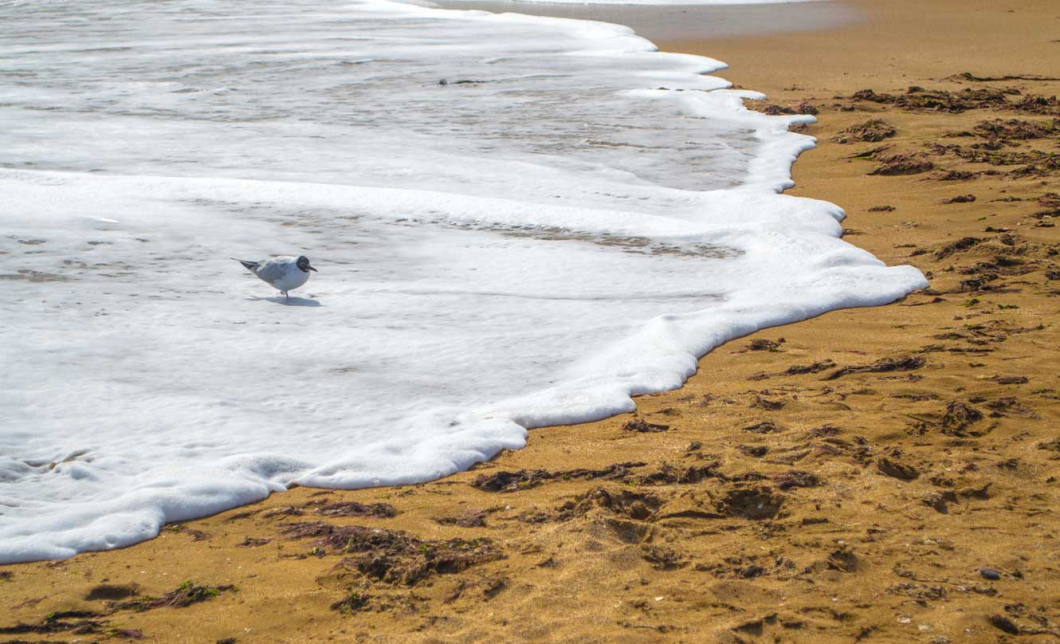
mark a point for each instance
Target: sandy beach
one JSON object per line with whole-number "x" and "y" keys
{"x": 882, "y": 474}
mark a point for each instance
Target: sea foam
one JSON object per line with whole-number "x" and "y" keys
{"x": 518, "y": 222}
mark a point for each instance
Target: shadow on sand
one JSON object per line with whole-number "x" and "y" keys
{"x": 287, "y": 301}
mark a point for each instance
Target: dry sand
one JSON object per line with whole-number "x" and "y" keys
{"x": 879, "y": 475}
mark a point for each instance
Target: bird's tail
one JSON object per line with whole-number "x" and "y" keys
{"x": 250, "y": 266}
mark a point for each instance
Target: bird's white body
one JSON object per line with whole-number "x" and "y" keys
{"x": 282, "y": 273}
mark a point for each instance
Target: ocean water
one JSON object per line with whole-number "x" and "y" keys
{"x": 675, "y": 23}
{"x": 651, "y": 3}
{"x": 570, "y": 219}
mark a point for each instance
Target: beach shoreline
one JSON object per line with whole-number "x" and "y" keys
{"x": 850, "y": 476}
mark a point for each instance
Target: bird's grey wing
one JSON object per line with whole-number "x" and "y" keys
{"x": 250, "y": 266}
{"x": 271, "y": 271}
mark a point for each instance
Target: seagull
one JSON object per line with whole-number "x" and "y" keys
{"x": 283, "y": 273}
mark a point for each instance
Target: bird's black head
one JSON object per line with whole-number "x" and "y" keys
{"x": 303, "y": 264}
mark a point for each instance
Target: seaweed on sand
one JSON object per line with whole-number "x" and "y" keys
{"x": 395, "y": 556}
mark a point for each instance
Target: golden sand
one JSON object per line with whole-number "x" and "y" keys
{"x": 879, "y": 475}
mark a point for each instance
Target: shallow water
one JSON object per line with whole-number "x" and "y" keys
{"x": 572, "y": 227}
{"x": 675, "y": 21}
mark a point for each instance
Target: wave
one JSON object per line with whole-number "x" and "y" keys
{"x": 570, "y": 219}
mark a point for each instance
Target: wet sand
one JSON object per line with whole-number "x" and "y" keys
{"x": 884, "y": 474}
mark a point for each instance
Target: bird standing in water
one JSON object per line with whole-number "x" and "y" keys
{"x": 282, "y": 273}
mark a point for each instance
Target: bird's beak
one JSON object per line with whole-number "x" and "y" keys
{"x": 310, "y": 268}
